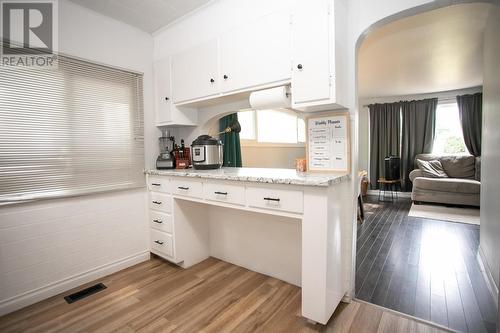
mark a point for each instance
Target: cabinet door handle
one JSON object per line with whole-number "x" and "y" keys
{"x": 183, "y": 188}
{"x": 157, "y": 202}
{"x": 212, "y": 80}
{"x": 156, "y": 184}
{"x": 299, "y": 66}
{"x": 221, "y": 193}
{"x": 225, "y": 77}
{"x": 157, "y": 221}
{"x": 167, "y": 99}
{"x": 272, "y": 199}
{"x": 158, "y": 242}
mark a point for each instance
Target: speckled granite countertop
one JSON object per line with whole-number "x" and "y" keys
{"x": 259, "y": 175}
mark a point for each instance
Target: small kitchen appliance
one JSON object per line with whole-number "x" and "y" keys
{"x": 392, "y": 171}
{"x": 165, "y": 160}
{"x": 207, "y": 153}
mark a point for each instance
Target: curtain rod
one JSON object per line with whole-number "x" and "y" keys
{"x": 453, "y": 98}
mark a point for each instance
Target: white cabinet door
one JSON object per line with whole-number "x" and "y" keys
{"x": 194, "y": 73}
{"x": 311, "y": 31}
{"x": 256, "y": 54}
{"x": 166, "y": 112}
{"x": 163, "y": 91}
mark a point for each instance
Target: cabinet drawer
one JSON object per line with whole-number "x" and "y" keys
{"x": 160, "y": 221}
{"x": 277, "y": 199}
{"x": 162, "y": 242}
{"x": 160, "y": 201}
{"x": 188, "y": 188}
{"x": 159, "y": 184}
{"x": 234, "y": 194}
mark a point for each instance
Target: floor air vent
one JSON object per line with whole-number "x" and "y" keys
{"x": 84, "y": 293}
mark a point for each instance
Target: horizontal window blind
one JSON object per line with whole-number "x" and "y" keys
{"x": 74, "y": 130}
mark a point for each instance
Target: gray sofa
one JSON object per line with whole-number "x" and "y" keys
{"x": 462, "y": 187}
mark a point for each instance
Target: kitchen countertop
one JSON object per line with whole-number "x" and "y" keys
{"x": 259, "y": 175}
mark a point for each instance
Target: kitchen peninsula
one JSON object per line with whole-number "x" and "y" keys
{"x": 278, "y": 222}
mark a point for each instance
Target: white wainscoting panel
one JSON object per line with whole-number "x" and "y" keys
{"x": 51, "y": 246}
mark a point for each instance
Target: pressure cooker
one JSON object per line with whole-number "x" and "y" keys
{"x": 207, "y": 153}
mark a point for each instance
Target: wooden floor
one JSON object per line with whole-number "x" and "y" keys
{"x": 213, "y": 296}
{"x": 421, "y": 267}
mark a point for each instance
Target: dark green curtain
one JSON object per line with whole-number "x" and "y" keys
{"x": 418, "y": 131}
{"x": 231, "y": 141}
{"x": 385, "y": 120}
{"x": 470, "y": 108}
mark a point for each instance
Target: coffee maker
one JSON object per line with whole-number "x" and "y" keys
{"x": 166, "y": 160}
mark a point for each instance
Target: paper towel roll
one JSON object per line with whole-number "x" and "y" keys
{"x": 273, "y": 98}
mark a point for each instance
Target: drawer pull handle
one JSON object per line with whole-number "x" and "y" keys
{"x": 183, "y": 188}
{"x": 221, "y": 193}
{"x": 157, "y": 221}
{"x": 157, "y": 202}
{"x": 158, "y": 242}
{"x": 156, "y": 184}
{"x": 272, "y": 199}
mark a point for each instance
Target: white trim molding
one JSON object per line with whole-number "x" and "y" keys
{"x": 485, "y": 270}
{"x": 37, "y": 295}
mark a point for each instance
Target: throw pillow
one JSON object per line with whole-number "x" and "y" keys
{"x": 459, "y": 166}
{"x": 432, "y": 169}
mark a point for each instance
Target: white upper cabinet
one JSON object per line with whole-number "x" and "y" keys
{"x": 303, "y": 43}
{"x": 166, "y": 112}
{"x": 163, "y": 91}
{"x": 256, "y": 54}
{"x": 318, "y": 35}
{"x": 195, "y": 73}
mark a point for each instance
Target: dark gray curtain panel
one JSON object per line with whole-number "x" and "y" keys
{"x": 470, "y": 109}
{"x": 418, "y": 130}
{"x": 385, "y": 124}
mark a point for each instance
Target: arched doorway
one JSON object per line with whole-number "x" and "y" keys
{"x": 388, "y": 274}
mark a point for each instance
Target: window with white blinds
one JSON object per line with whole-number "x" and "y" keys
{"x": 70, "y": 131}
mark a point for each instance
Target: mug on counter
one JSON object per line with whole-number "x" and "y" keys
{"x": 301, "y": 165}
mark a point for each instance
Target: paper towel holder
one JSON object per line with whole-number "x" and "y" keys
{"x": 272, "y": 98}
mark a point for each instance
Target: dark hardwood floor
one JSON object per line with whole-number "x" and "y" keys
{"x": 422, "y": 267}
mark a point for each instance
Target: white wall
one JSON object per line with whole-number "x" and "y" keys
{"x": 364, "y": 116}
{"x": 50, "y": 246}
{"x": 490, "y": 150}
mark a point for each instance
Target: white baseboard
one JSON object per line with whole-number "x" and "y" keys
{"x": 37, "y": 295}
{"x": 490, "y": 282}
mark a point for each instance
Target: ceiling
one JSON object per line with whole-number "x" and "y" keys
{"x": 147, "y": 15}
{"x": 435, "y": 51}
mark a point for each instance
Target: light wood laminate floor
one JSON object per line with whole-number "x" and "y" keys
{"x": 213, "y": 296}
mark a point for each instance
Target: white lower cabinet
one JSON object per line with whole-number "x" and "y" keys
{"x": 171, "y": 231}
{"x": 223, "y": 192}
{"x": 276, "y": 199}
{"x": 162, "y": 242}
{"x": 160, "y": 201}
{"x": 189, "y": 188}
{"x": 160, "y": 221}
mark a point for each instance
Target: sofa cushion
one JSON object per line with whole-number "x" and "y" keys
{"x": 415, "y": 173}
{"x": 432, "y": 169}
{"x": 459, "y": 166}
{"x": 477, "y": 175}
{"x": 456, "y": 185}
